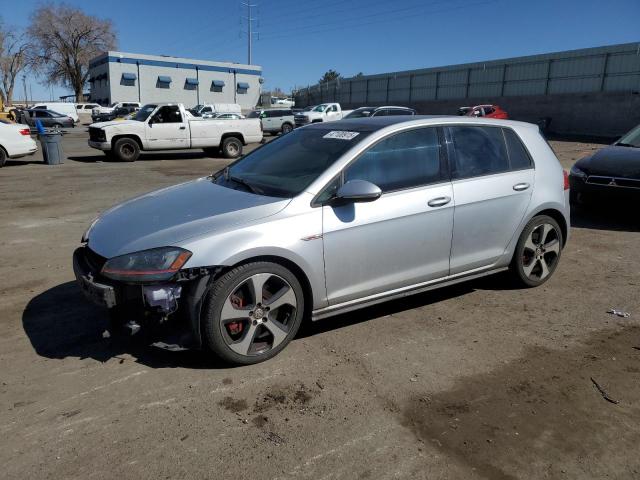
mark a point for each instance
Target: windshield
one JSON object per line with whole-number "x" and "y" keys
{"x": 631, "y": 139}
{"x": 56, "y": 114}
{"x": 144, "y": 112}
{"x": 320, "y": 108}
{"x": 286, "y": 166}
{"x": 359, "y": 113}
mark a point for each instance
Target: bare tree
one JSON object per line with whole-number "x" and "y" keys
{"x": 13, "y": 51}
{"x": 65, "y": 40}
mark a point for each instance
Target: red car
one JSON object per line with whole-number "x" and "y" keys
{"x": 487, "y": 111}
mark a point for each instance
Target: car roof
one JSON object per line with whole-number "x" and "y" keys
{"x": 372, "y": 124}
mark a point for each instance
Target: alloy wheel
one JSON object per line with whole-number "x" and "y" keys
{"x": 541, "y": 252}
{"x": 258, "y": 314}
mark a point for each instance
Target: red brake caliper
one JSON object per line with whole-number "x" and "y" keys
{"x": 236, "y": 327}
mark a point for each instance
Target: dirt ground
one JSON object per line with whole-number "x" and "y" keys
{"x": 475, "y": 381}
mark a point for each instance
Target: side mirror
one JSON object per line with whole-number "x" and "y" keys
{"x": 357, "y": 191}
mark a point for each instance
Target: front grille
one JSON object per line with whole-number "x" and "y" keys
{"x": 96, "y": 134}
{"x": 95, "y": 261}
{"x": 613, "y": 181}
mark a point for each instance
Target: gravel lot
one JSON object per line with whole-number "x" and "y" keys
{"x": 476, "y": 381}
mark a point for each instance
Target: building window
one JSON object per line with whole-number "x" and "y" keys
{"x": 217, "y": 86}
{"x": 243, "y": 87}
{"x": 191, "y": 83}
{"x": 128, "y": 79}
{"x": 164, "y": 81}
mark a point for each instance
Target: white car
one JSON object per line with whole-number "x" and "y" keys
{"x": 98, "y": 109}
{"x": 63, "y": 108}
{"x": 168, "y": 126}
{"x": 325, "y": 112}
{"x": 15, "y": 141}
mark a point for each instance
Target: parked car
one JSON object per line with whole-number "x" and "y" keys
{"x": 86, "y": 107}
{"x": 201, "y": 110}
{"x": 100, "y": 109}
{"x": 120, "y": 112}
{"x": 328, "y": 219}
{"x": 464, "y": 110}
{"x": 275, "y": 121}
{"x": 48, "y": 119}
{"x": 379, "y": 112}
{"x": 166, "y": 126}
{"x": 15, "y": 141}
{"x": 325, "y": 112}
{"x": 612, "y": 172}
{"x": 487, "y": 111}
{"x": 63, "y": 108}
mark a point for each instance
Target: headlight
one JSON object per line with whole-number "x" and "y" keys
{"x": 576, "y": 172}
{"x": 155, "y": 265}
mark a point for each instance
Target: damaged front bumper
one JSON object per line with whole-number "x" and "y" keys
{"x": 167, "y": 312}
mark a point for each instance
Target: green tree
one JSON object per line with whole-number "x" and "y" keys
{"x": 329, "y": 76}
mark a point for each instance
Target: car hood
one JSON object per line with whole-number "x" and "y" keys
{"x": 613, "y": 161}
{"x": 168, "y": 216}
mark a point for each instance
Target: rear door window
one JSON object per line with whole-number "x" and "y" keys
{"x": 518, "y": 155}
{"x": 478, "y": 151}
{"x": 405, "y": 160}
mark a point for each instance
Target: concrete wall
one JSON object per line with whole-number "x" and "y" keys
{"x": 146, "y": 88}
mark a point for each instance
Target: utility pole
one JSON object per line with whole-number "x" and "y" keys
{"x": 24, "y": 85}
{"x": 250, "y": 30}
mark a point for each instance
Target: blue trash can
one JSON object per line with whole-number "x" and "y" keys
{"x": 51, "y": 143}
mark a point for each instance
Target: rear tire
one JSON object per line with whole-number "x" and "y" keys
{"x": 243, "y": 328}
{"x": 231, "y": 147}
{"x": 287, "y": 128}
{"x": 56, "y": 127}
{"x": 538, "y": 251}
{"x": 126, "y": 150}
{"x": 3, "y": 157}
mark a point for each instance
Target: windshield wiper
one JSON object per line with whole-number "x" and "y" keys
{"x": 244, "y": 183}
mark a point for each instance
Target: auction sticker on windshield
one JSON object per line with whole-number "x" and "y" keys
{"x": 341, "y": 135}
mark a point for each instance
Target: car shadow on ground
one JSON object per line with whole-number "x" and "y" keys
{"x": 615, "y": 216}
{"x": 61, "y": 323}
{"x": 144, "y": 157}
{"x": 20, "y": 163}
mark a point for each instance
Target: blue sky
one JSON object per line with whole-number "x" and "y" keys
{"x": 299, "y": 40}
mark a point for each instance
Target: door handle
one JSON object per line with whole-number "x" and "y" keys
{"x": 182, "y": 127}
{"x": 519, "y": 187}
{"x": 439, "y": 201}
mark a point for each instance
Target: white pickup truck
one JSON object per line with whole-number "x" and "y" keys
{"x": 325, "y": 112}
{"x": 167, "y": 126}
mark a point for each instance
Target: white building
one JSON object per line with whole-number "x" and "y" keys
{"x": 122, "y": 77}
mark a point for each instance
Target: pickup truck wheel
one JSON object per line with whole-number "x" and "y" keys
{"x": 252, "y": 312}
{"x": 286, "y": 128}
{"x": 231, "y": 147}
{"x": 3, "y": 157}
{"x": 126, "y": 150}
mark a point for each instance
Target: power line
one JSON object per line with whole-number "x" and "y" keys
{"x": 341, "y": 21}
{"x": 385, "y": 20}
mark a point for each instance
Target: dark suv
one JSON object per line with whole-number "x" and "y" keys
{"x": 380, "y": 112}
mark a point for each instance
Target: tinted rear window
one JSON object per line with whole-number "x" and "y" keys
{"x": 479, "y": 151}
{"x": 518, "y": 155}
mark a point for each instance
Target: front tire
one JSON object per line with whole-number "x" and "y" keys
{"x": 252, "y": 312}
{"x": 231, "y": 147}
{"x": 3, "y": 157}
{"x": 538, "y": 251}
{"x": 287, "y": 128}
{"x": 126, "y": 150}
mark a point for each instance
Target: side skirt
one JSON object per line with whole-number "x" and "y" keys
{"x": 397, "y": 293}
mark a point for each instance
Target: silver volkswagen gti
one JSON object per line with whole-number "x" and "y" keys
{"x": 327, "y": 219}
